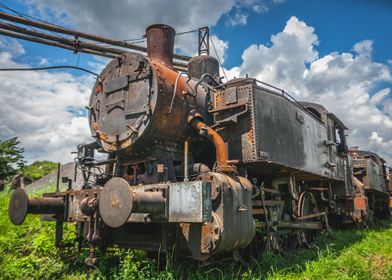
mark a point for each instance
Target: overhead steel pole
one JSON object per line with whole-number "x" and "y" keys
{"x": 78, "y": 34}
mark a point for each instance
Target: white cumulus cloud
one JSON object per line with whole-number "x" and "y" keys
{"x": 129, "y": 19}
{"x": 239, "y": 18}
{"x": 379, "y": 96}
{"x": 12, "y": 46}
{"x": 45, "y": 110}
{"x": 364, "y": 47}
{"x": 343, "y": 82}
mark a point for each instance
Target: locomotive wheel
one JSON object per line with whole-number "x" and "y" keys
{"x": 307, "y": 205}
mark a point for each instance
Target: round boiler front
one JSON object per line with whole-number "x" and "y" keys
{"x": 122, "y": 102}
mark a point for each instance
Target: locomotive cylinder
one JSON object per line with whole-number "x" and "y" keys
{"x": 234, "y": 215}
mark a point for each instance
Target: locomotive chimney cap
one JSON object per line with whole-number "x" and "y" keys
{"x": 161, "y": 26}
{"x": 160, "y": 43}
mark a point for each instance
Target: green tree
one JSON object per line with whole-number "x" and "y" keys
{"x": 11, "y": 159}
{"x": 38, "y": 169}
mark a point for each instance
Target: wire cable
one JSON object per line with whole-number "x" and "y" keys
{"x": 143, "y": 39}
{"x": 187, "y": 32}
{"x": 26, "y": 16}
{"x": 50, "y": 67}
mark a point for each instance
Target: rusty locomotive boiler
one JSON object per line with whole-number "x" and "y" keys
{"x": 198, "y": 165}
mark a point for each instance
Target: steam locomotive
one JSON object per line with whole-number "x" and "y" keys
{"x": 207, "y": 168}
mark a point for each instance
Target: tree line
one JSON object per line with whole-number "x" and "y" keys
{"x": 12, "y": 163}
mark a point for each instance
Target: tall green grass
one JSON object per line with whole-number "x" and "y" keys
{"x": 28, "y": 252}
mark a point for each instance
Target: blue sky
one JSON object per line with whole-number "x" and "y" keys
{"x": 338, "y": 23}
{"x": 337, "y": 53}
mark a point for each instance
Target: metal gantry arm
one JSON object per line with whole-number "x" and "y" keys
{"x": 92, "y": 46}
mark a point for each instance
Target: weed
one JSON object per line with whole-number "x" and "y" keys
{"x": 28, "y": 252}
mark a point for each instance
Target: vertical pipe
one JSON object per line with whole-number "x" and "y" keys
{"x": 186, "y": 176}
{"x": 59, "y": 233}
{"x": 58, "y": 177}
{"x": 222, "y": 155}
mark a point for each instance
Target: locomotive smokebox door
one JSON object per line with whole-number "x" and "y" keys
{"x": 122, "y": 101}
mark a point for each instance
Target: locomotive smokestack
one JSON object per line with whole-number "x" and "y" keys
{"x": 160, "y": 43}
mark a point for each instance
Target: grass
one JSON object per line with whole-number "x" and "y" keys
{"x": 28, "y": 252}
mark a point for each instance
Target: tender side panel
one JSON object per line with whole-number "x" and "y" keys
{"x": 289, "y": 136}
{"x": 375, "y": 180}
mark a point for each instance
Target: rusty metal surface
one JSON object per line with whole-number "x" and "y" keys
{"x": 286, "y": 134}
{"x": 273, "y": 129}
{"x": 115, "y": 202}
{"x": 149, "y": 202}
{"x": 122, "y": 101}
{"x": 190, "y": 202}
{"x": 160, "y": 43}
{"x": 74, "y": 207}
{"x": 238, "y": 226}
{"x": 137, "y": 101}
{"x": 203, "y": 64}
{"x": 20, "y": 205}
{"x": 232, "y": 226}
{"x": 389, "y": 180}
{"x": 369, "y": 169}
{"x": 216, "y": 139}
{"x": 186, "y": 202}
